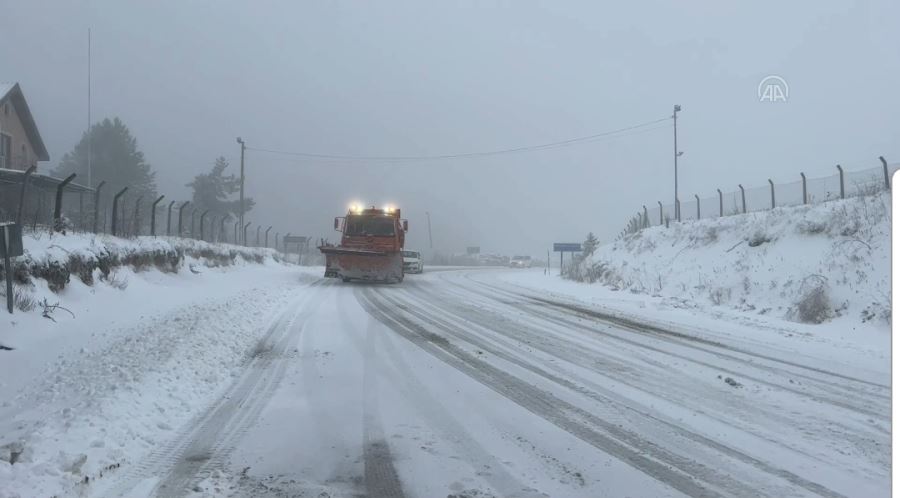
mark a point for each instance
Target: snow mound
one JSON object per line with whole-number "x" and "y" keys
{"x": 810, "y": 264}
{"x": 56, "y": 258}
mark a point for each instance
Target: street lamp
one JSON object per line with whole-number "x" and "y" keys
{"x": 243, "y": 147}
{"x": 675, "y": 111}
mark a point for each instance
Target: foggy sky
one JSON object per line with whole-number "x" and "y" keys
{"x": 421, "y": 77}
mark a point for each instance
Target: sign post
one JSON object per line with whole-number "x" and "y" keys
{"x": 296, "y": 239}
{"x": 10, "y": 247}
{"x": 564, "y": 247}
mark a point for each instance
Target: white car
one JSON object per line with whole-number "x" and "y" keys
{"x": 520, "y": 262}
{"x": 413, "y": 262}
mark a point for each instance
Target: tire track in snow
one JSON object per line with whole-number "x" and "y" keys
{"x": 663, "y": 387}
{"x": 464, "y": 329}
{"x": 205, "y": 443}
{"x": 676, "y": 471}
{"x": 381, "y": 477}
{"x": 838, "y": 394}
{"x": 649, "y": 328}
{"x": 441, "y": 420}
{"x": 460, "y": 331}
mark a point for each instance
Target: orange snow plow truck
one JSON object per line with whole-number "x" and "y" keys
{"x": 371, "y": 246}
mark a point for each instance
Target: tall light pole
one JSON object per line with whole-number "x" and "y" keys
{"x": 243, "y": 147}
{"x": 430, "y": 242}
{"x": 675, "y": 136}
{"x": 89, "y": 166}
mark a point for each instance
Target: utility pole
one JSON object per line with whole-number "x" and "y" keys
{"x": 241, "y": 219}
{"x": 675, "y": 136}
{"x": 89, "y": 178}
{"x": 430, "y": 242}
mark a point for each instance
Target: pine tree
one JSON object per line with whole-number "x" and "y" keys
{"x": 590, "y": 244}
{"x": 213, "y": 191}
{"x": 115, "y": 159}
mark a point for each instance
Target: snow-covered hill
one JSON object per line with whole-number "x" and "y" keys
{"x": 817, "y": 263}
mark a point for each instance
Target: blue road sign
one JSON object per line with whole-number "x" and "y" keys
{"x": 566, "y": 247}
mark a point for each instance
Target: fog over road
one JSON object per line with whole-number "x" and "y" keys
{"x": 460, "y": 383}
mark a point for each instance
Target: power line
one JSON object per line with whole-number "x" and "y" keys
{"x": 529, "y": 148}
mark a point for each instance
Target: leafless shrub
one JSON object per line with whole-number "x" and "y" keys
{"x": 758, "y": 238}
{"x": 811, "y": 227}
{"x": 710, "y": 235}
{"x": 719, "y": 295}
{"x": 23, "y": 300}
{"x": 48, "y": 309}
{"x": 814, "y": 305}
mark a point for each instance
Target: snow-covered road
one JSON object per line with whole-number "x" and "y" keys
{"x": 460, "y": 383}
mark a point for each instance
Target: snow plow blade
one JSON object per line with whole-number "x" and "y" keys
{"x": 363, "y": 264}
{"x": 352, "y": 251}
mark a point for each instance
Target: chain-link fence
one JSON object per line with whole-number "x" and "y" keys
{"x": 841, "y": 185}
{"x": 44, "y": 203}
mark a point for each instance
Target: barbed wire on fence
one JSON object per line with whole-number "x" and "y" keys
{"x": 843, "y": 184}
{"x": 90, "y": 210}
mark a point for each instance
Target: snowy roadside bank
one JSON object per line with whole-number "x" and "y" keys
{"x": 825, "y": 263}
{"x": 92, "y": 391}
{"x": 57, "y": 259}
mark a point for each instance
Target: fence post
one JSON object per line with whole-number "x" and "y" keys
{"x": 276, "y": 241}
{"x": 772, "y": 188}
{"x": 180, "y": 217}
{"x": 267, "y": 236}
{"x": 887, "y": 177}
{"x": 285, "y": 242}
{"x": 97, "y": 203}
{"x": 57, "y": 209}
{"x": 137, "y": 215}
{"x": 841, "y": 173}
{"x": 222, "y": 229}
{"x": 721, "y": 203}
{"x": 202, "y": 217}
{"x": 169, "y": 219}
{"x": 193, "y": 212}
{"x": 803, "y": 177}
{"x": 257, "y": 235}
{"x": 236, "y": 224}
{"x": 660, "y": 212}
{"x": 743, "y": 199}
{"x": 115, "y": 210}
{"x": 153, "y": 215}
{"x": 244, "y": 239}
{"x": 31, "y": 169}
{"x": 698, "y": 205}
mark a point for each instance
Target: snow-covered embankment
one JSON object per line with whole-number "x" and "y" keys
{"x": 817, "y": 263}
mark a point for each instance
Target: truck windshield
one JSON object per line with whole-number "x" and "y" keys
{"x": 410, "y": 254}
{"x": 370, "y": 225}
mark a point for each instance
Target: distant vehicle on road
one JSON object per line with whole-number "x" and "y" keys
{"x": 413, "y": 262}
{"x": 520, "y": 262}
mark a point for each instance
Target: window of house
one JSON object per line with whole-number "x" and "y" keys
{"x": 5, "y": 150}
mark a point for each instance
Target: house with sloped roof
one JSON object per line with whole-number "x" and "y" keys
{"x": 21, "y": 145}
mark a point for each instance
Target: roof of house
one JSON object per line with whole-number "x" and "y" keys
{"x": 13, "y": 93}
{"x": 46, "y": 182}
